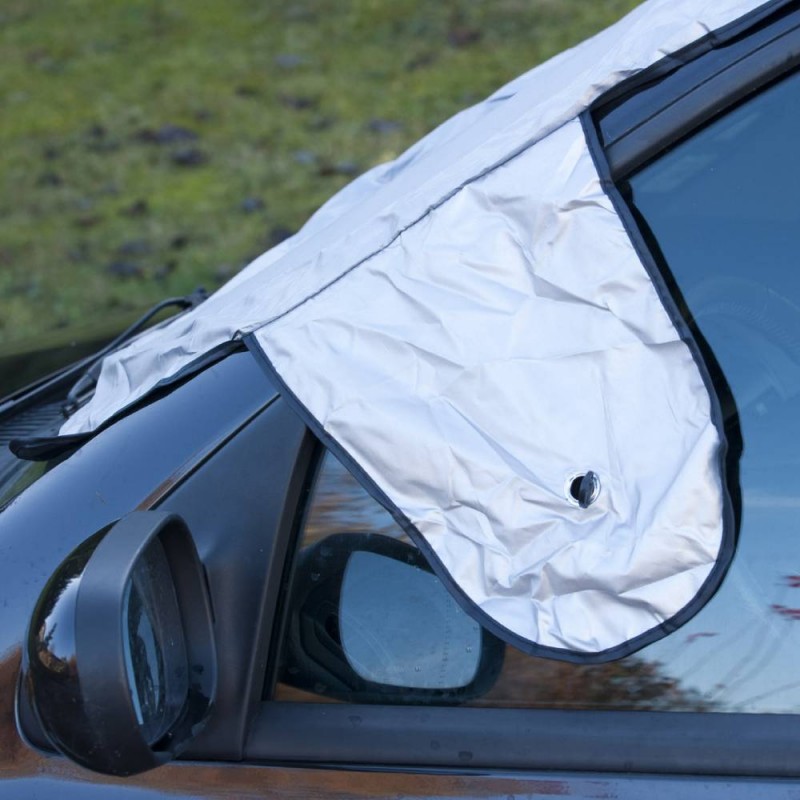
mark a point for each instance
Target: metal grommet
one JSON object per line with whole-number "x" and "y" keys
{"x": 583, "y": 488}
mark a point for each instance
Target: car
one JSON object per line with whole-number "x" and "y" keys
{"x": 232, "y": 553}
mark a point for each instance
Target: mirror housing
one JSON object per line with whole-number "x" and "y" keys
{"x": 119, "y": 663}
{"x": 334, "y": 650}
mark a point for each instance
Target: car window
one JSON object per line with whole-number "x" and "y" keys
{"x": 721, "y": 210}
{"x": 339, "y": 507}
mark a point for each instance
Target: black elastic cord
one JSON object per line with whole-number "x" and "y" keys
{"x": 88, "y": 380}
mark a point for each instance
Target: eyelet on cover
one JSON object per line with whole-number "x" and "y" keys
{"x": 583, "y": 488}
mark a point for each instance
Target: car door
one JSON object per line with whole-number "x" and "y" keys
{"x": 700, "y": 162}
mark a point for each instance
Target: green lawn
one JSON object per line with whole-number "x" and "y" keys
{"x": 150, "y": 146}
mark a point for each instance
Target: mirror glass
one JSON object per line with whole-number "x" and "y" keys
{"x": 154, "y": 647}
{"x": 400, "y": 627}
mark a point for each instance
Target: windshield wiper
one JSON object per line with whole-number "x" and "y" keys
{"x": 84, "y": 386}
{"x": 82, "y": 376}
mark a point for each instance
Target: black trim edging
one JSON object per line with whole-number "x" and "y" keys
{"x": 458, "y": 594}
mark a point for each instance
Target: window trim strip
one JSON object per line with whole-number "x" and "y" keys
{"x": 483, "y": 739}
{"x": 684, "y": 108}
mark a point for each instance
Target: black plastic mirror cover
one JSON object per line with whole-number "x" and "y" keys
{"x": 314, "y": 659}
{"x": 119, "y": 664}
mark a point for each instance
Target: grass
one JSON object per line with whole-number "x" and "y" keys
{"x": 150, "y": 146}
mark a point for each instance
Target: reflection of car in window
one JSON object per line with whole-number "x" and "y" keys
{"x": 264, "y": 602}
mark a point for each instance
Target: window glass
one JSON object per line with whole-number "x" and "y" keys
{"x": 340, "y": 510}
{"x": 367, "y": 620}
{"x": 721, "y": 207}
{"x": 339, "y": 503}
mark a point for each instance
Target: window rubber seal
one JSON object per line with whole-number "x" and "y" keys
{"x": 474, "y": 740}
{"x": 726, "y": 70}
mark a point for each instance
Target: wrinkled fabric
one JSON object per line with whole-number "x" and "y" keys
{"x": 472, "y": 326}
{"x": 472, "y": 382}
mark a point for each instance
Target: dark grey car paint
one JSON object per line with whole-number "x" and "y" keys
{"x": 147, "y": 459}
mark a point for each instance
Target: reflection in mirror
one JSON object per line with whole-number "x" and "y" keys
{"x": 128, "y": 613}
{"x": 400, "y": 627}
{"x": 153, "y": 641}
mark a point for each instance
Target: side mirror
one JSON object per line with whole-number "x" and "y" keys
{"x": 120, "y": 666}
{"x": 370, "y": 622}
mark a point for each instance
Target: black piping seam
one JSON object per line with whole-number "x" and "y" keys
{"x": 468, "y": 605}
{"x": 674, "y": 61}
{"x": 449, "y": 195}
{"x": 48, "y": 447}
{"x": 729, "y": 516}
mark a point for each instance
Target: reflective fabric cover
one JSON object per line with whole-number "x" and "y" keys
{"x": 472, "y": 326}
